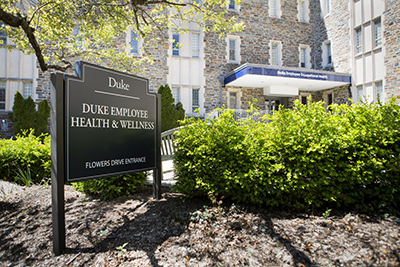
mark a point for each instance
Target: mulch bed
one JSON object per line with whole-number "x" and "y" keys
{"x": 139, "y": 231}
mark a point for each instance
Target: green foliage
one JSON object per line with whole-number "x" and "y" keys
{"x": 95, "y": 27}
{"x": 42, "y": 117}
{"x": 348, "y": 156}
{"x": 112, "y": 187}
{"x": 27, "y": 152}
{"x": 25, "y": 177}
{"x": 26, "y": 117}
{"x": 170, "y": 113}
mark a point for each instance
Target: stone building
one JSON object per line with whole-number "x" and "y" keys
{"x": 330, "y": 50}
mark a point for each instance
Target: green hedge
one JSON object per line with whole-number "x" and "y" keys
{"x": 27, "y": 151}
{"x": 30, "y": 156}
{"x": 304, "y": 157}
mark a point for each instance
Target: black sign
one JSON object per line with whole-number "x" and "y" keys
{"x": 110, "y": 123}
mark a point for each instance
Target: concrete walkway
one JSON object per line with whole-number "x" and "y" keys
{"x": 168, "y": 174}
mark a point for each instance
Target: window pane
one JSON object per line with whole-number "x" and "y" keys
{"x": 175, "y": 44}
{"x": 27, "y": 90}
{"x": 301, "y": 10}
{"x": 304, "y": 100}
{"x": 272, "y": 8}
{"x": 303, "y": 57}
{"x": 3, "y": 36}
{"x": 195, "y": 99}
{"x": 379, "y": 91}
{"x": 274, "y": 54}
{"x": 232, "y": 50}
{"x": 360, "y": 91}
{"x": 134, "y": 43}
{"x": 358, "y": 40}
{"x": 232, "y": 100}
{"x": 232, "y": 4}
{"x": 329, "y": 51}
{"x": 2, "y": 95}
{"x": 195, "y": 45}
{"x": 328, "y": 6}
{"x": 378, "y": 32}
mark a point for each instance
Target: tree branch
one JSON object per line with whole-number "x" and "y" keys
{"x": 16, "y": 21}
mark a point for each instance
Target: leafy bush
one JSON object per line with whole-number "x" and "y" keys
{"x": 112, "y": 187}
{"x": 304, "y": 157}
{"x": 29, "y": 153}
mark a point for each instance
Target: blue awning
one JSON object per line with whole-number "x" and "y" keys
{"x": 262, "y": 76}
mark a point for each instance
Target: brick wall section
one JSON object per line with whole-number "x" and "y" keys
{"x": 392, "y": 53}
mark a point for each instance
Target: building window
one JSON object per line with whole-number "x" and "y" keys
{"x": 276, "y": 53}
{"x": 195, "y": 99}
{"x": 360, "y": 92}
{"x": 195, "y": 45}
{"x": 302, "y": 57}
{"x": 134, "y": 42}
{"x": 379, "y": 91}
{"x": 358, "y": 40}
{"x": 325, "y": 7}
{"x": 27, "y": 90}
{"x": 304, "y": 54}
{"x": 175, "y": 44}
{"x": 176, "y": 94}
{"x": 326, "y": 54}
{"x": 274, "y": 8}
{"x": 303, "y": 10}
{"x": 232, "y": 6}
{"x": 3, "y": 36}
{"x": 378, "y": 32}
{"x": 233, "y": 49}
{"x": 2, "y": 95}
{"x": 232, "y": 100}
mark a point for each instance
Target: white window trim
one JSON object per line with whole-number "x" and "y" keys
{"x": 279, "y": 53}
{"x": 307, "y": 56}
{"x": 176, "y": 101}
{"x": 128, "y": 47}
{"x": 237, "y": 49}
{"x": 325, "y": 97}
{"x": 5, "y": 94}
{"x": 278, "y": 9}
{"x": 306, "y": 10}
{"x": 238, "y": 97}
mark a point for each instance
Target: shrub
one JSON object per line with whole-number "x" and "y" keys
{"x": 112, "y": 187}
{"x": 29, "y": 153}
{"x": 25, "y": 116}
{"x": 170, "y": 113}
{"x": 306, "y": 157}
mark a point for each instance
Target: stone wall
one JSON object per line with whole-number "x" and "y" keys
{"x": 392, "y": 48}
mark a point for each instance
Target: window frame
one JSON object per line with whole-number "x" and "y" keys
{"x": 236, "y": 40}
{"x": 276, "y": 11}
{"x": 278, "y": 57}
{"x": 238, "y": 97}
{"x": 303, "y": 11}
